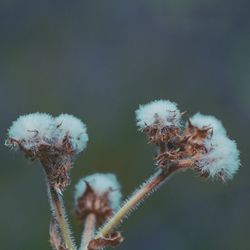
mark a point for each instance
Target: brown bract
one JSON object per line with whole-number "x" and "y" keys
{"x": 55, "y": 156}
{"x": 158, "y": 133}
{"x": 182, "y": 148}
{"x": 112, "y": 240}
{"x": 91, "y": 202}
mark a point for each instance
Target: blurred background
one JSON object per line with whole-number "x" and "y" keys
{"x": 99, "y": 60}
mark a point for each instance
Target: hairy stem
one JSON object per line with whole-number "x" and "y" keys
{"x": 55, "y": 237}
{"x": 144, "y": 191}
{"x": 88, "y": 232}
{"x": 60, "y": 216}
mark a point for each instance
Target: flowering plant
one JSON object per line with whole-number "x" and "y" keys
{"x": 200, "y": 144}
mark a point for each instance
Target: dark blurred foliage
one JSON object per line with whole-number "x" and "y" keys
{"x": 99, "y": 60}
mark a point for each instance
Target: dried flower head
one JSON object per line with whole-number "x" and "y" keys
{"x": 202, "y": 145}
{"x": 52, "y": 141}
{"x": 160, "y": 120}
{"x": 99, "y": 194}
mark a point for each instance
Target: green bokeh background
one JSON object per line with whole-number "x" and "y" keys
{"x": 99, "y": 60}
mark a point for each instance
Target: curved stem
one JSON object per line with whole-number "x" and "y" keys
{"x": 60, "y": 216}
{"x": 144, "y": 191}
{"x": 88, "y": 232}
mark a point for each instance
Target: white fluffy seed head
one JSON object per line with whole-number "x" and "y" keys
{"x": 201, "y": 121}
{"x": 74, "y": 128}
{"x": 27, "y": 127}
{"x": 101, "y": 184}
{"x": 32, "y": 130}
{"x": 161, "y": 112}
{"x": 222, "y": 157}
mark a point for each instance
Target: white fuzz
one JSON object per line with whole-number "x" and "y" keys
{"x": 35, "y": 129}
{"x": 28, "y": 127}
{"x": 101, "y": 183}
{"x": 222, "y": 157}
{"x": 161, "y": 112}
{"x": 75, "y": 129}
{"x": 201, "y": 121}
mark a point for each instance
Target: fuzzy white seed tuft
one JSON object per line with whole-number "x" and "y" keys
{"x": 101, "y": 184}
{"x": 203, "y": 121}
{"x": 32, "y": 127}
{"x": 222, "y": 157}
{"x": 69, "y": 125}
{"x": 161, "y": 112}
{"x": 32, "y": 130}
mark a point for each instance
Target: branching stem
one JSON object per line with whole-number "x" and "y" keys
{"x": 144, "y": 191}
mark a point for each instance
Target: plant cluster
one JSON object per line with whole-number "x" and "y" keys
{"x": 200, "y": 144}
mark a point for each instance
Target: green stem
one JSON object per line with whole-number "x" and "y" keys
{"x": 144, "y": 191}
{"x": 88, "y": 232}
{"x": 60, "y": 216}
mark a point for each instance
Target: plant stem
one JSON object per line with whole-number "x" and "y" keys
{"x": 60, "y": 216}
{"x": 144, "y": 191}
{"x": 88, "y": 232}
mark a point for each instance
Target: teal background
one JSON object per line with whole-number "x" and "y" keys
{"x": 99, "y": 60}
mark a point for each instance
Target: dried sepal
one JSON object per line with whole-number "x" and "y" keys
{"x": 91, "y": 202}
{"x": 195, "y": 136}
{"x": 184, "y": 148}
{"x": 56, "y": 159}
{"x": 97, "y": 194}
{"x": 112, "y": 240}
{"x": 157, "y": 133}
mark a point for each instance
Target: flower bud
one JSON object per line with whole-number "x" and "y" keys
{"x": 99, "y": 194}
